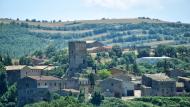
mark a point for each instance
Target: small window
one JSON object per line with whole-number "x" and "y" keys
{"x": 45, "y": 83}
{"x": 112, "y": 84}
{"x": 27, "y": 85}
{"x": 84, "y": 61}
{"x": 55, "y": 84}
{"x": 162, "y": 91}
{"x": 38, "y": 84}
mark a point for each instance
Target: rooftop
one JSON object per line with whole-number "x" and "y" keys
{"x": 90, "y": 41}
{"x": 44, "y": 78}
{"x": 38, "y": 67}
{"x": 158, "y": 77}
{"x": 14, "y": 67}
{"x": 185, "y": 78}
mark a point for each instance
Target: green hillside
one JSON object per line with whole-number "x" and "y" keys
{"x": 18, "y": 38}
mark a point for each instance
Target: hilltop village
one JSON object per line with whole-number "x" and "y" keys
{"x": 34, "y": 84}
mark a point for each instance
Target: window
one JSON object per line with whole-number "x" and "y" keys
{"x": 27, "y": 85}
{"x": 162, "y": 91}
{"x": 55, "y": 84}
{"x": 38, "y": 84}
{"x": 112, "y": 84}
{"x": 45, "y": 83}
{"x": 84, "y": 61}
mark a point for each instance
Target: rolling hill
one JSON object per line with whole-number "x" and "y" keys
{"x": 18, "y": 38}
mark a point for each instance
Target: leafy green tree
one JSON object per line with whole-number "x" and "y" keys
{"x": 50, "y": 51}
{"x": 160, "y": 50}
{"x": 104, "y": 73}
{"x": 136, "y": 69}
{"x": 10, "y": 96}
{"x": 186, "y": 34}
{"x": 38, "y": 53}
{"x": 91, "y": 78}
{"x": 182, "y": 50}
{"x": 171, "y": 51}
{"x": 116, "y": 51}
{"x": 3, "y": 80}
{"x": 61, "y": 57}
{"x": 143, "y": 53}
{"x": 129, "y": 57}
{"x": 81, "y": 97}
{"x": 7, "y": 60}
{"x": 59, "y": 71}
{"x": 25, "y": 61}
{"x": 90, "y": 61}
{"x": 163, "y": 50}
{"x": 96, "y": 98}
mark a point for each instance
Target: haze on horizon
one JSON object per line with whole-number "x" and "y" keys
{"x": 169, "y": 10}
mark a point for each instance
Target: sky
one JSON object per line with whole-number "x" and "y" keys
{"x": 68, "y": 10}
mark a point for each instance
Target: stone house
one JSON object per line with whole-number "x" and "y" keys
{"x": 37, "y": 88}
{"x": 16, "y": 72}
{"x": 44, "y": 69}
{"x": 186, "y": 82}
{"x": 122, "y": 74}
{"x": 158, "y": 85}
{"x": 115, "y": 87}
{"x": 75, "y": 83}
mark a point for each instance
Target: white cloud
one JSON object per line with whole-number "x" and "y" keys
{"x": 125, "y": 4}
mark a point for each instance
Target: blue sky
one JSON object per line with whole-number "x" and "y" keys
{"x": 170, "y": 10}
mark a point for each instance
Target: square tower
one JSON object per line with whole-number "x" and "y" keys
{"x": 77, "y": 56}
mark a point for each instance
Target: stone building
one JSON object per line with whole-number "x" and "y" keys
{"x": 75, "y": 83}
{"x": 77, "y": 57}
{"x": 37, "y": 88}
{"x": 186, "y": 82}
{"x": 158, "y": 85}
{"x": 123, "y": 74}
{"x": 44, "y": 69}
{"x": 16, "y": 72}
{"x": 115, "y": 87}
